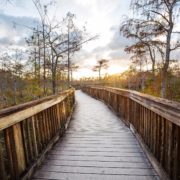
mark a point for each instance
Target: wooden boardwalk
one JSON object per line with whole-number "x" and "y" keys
{"x": 96, "y": 146}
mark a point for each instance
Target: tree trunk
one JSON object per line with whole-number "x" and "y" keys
{"x": 71, "y": 75}
{"x": 44, "y": 58}
{"x": 39, "y": 62}
{"x": 142, "y": 81}
{"x": 68, "y": 55}
{"x": 152, "y": 56}
{"x": 153, "y": 67}
{"x": 15, "y": 90}
{"x": 99, "y": 73}
{"x": 167, "y": 59}
{"x": 54, "y": 85}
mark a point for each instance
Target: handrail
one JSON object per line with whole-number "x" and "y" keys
{"x": 29, "y": 130}
{"x": 15, "y": 108}
{"x": 156, "y": 122}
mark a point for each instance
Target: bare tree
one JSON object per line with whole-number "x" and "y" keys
{"x": 162, "y": 18}
{"x": 141, "y": 33}
{"x": 42, "y": 11}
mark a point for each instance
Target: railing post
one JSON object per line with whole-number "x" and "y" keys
{"x": 15, "y": 148}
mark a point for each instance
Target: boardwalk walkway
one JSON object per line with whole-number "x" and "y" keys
{"x": 97, "y": 146}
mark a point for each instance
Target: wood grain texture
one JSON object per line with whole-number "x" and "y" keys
{"x": 155, "y": 120}
{"x": 19, "y": 114}
{"x": 98, "y": 146}
{"x": 28, "y": 131}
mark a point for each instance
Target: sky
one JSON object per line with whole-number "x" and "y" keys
{"x": 102, "y": 17}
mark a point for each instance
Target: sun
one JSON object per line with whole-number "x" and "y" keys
{"x": 115, "y": 69}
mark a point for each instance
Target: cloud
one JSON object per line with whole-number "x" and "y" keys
{"x": 15, "y": 29}
{"x": 102, "y": 17}
{"x": 5, "y": 41}
{"x": 113, "y": 51}
{"x": 118, "y": 41}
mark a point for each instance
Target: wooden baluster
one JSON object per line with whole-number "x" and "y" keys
{"x": 15, "y": 150}
{"x": 8, "y": 140}
{"x": 140, "y": 120}
{"x": 25, "y": 139}
{"x": 149, "y": 128}
{"x": 53, "y": 120}
{"x": 47, "y": 124}
{"x": 64, "y": 113}
{"x": 158, "y": 130}
{"x": 162, "y": 150}
{"x": 37, "y": 133}
{"x": 151, "y": 131}
{"x": 176, "y": 153}
{"x": 44, "y": 128}
{"x": 58, "y": 116}
{"x": 29, "y": 133}
{"x": 146, "y": 125}
{"x": 169, "y": 147}
{"x": 34, "y": 137}
{"x": 2, "y": 166}
{"x": 41, "y": 131}
{"x": 19, "y": 148}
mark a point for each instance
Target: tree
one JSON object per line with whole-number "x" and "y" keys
{"x": 162, "y": 18}
{"x": 101, "y": 64}
{"x": 141, "y": 33}
{"x": 42, "y": 10}
{"x": 74, "y": 37}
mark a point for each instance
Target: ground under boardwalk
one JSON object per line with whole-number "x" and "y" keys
{"x": 97, "y": 146}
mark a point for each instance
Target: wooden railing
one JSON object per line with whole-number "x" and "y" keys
{"x": 154, "y": 120}
{"x": 28, "y": 131}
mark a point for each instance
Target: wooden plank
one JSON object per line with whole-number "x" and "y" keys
{"x": 103, "y": 161}
{"x": 99, "y": 170}
{"x": 80, "y": 176}
{"x": 96, "y": 161}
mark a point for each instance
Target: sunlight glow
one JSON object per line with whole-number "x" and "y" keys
{"x": 114, "y": 69}
{"x": 86, "y": 72}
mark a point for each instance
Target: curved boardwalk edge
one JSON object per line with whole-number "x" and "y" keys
{"x": 154, "y": 120}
